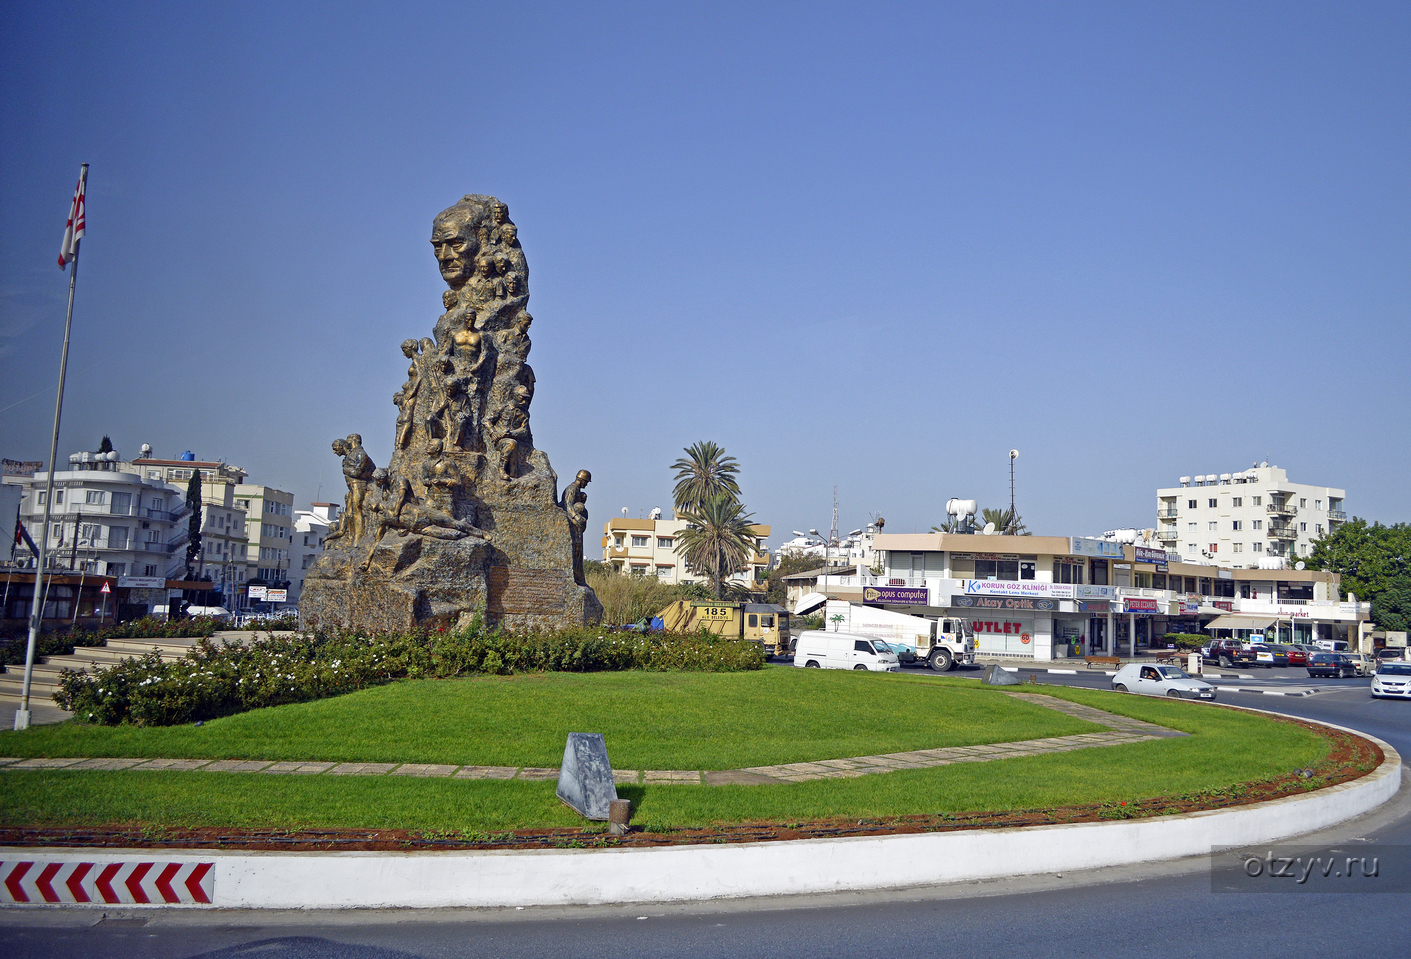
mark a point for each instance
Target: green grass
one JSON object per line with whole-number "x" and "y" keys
{"x": 650, "y": 721}
{"x": 1225, "y": 747}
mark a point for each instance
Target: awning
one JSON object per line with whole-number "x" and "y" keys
{"x": 809, "y": 602}
{"x": 1236, "y": 621}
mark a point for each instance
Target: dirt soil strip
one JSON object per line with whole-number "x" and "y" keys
{"x": 1349, "y": 757}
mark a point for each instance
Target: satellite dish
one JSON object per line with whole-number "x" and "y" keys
{"x": 624, "y": 511}
{"x": 1301, "y": 565}
{"x": 989, "y": 529}
{"x": 1014, "y": 454}
{"x": 655, "y": 513}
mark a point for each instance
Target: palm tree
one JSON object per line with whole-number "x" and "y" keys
{"x": 702, "y": 474}
{"x": 1006, "y": 521}
{"x": 718, "y": 540}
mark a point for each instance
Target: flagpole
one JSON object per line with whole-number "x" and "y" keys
{"x": 22, "y": 715}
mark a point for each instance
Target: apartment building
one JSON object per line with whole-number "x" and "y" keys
{"x": 1241, "y": 518}
{"x": 648, "y": 547}
{"x": 269, "y": 530}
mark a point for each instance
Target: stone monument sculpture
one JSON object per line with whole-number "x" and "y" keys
{"x": 466, "y": 516}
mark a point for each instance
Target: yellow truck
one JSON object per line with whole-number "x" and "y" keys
{"x": 763, "y": 623}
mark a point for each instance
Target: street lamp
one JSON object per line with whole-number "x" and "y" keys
{"x": 1013, "y": 455}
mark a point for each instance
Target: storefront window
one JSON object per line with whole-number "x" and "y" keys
{"x": 997, "y": 569}
{"x": 1099, "y": 572}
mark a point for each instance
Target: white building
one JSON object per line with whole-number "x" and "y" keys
{"x": 107, "y": 520}
{"x": 851, "y": 550}
{"x": 311, "y": 528}
{"x": 1239, "y": 519}
{"x": 269, "y": 527}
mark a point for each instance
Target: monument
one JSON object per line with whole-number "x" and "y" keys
{"x": 466, "y": 516}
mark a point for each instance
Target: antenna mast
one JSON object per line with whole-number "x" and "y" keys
{"x": 833, "y": 533}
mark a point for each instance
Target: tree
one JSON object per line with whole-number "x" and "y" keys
{"x": 717, "y": 540}
{"x": 193, "y": 501}
{"x": 776, "y": 590}
{"x": 106, "y": 446}
{"x": 1006, "y": 521}
{"x": 1374, "y": 562}
{"x": 704, "y": 473}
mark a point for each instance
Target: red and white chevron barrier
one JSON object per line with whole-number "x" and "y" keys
{"x": 144, "y": 883}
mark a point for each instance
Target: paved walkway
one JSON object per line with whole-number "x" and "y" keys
{"x": 1119, "y": 731}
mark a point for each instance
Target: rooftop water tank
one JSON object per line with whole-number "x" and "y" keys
{"x": 188, "y": 457}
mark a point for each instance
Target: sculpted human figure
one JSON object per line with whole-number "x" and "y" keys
{"x": 357, "y": 472}
{"x": 405, "y": 398}
{"x": 455, "y": 246}
{"x": 464, "y": 399}
{"x": 432, "y": 367}
{"x": 575, "y": 503}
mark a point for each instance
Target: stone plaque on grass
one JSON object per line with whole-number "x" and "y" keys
{"x": 585, "y": 777}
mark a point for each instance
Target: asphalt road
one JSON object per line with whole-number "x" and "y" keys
{"x": 1155, "y": 910}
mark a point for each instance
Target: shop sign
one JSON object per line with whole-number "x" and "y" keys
{"x": 1139, "y": 605}
{"x": 276, "y": 595}
{"x": 142, "y": 582}
{"x": 1009, "y": 587}
{"x": 901, "y": 595}
{"x": 1002, "y": 602}
{"x": 996, "y": 556}
{"x": 1162, "y": 567}
{"x": 1225, "y": 604}
{"x": 962, "y": 555}
{"x": 1145, "y": 554}
{"x": 1009, "y": 629}
{"x": 1093, "y": 592}
{"x": 1082, "y": 546}
{"x": 1094, "y": 606}
{"x": 257, "y": 592}
{"x": 1190, "y": 609}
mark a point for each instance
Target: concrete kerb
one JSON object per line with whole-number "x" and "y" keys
{"x": 554, "y": 877}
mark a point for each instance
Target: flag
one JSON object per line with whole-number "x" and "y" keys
{"x": 73, "y": 231}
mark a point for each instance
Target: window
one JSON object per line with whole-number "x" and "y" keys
{"x": 1190, "y": 527}
{"x": 1303, "y": 548}
{"x": 639, "y": 570}
{"x": 753, "y": 621}
{"x": 121, "y": 504}
{"x": 639, "y": 541}
{"x": 1214, "y": 548}
{"x": 1259, "y": 547}
{"x": 664, "y": 572}
{"x": 117, "y": 569}
{"x": 1067, "y": 572}
{"x": 861, "y": 646}
{"x": 91, "y": 532}
{"x": 1007, "y": 569}
{"x": 149, "y": 571}
{"x": 43, "y": 498}
{"x": 1190, "y": 548}
{"x": 117, "y": 537}
{"x": 93, "y": 496}
{"x": 1257, "y": 524}
{"x": 1190, "y": 504}
{"x": 1258, "y": 500}
{"x": 1237, "y": 524}
{"x": 1319, "y": 528}
{"x": 617, "y": 541}
{"x": 1237, "y": 548}
{"x": 1317, "y": 504}
{"x": 1212, "y": 526}
{"x": 1303, "y": 527}
{"x": 1237, "y": 501}
{"x": 1213, "y": 502}
{"x": 1302, "y": 503}
{"x": 666, "y": 542}
{"x": 1026, "y": 568}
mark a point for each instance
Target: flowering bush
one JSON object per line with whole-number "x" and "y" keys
{"x": 218, "y": 680}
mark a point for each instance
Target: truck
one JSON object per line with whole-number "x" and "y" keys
{"x": 942, "y": 643}
{"x": 1230, "y": 654}
{"x": 763, "y": 623}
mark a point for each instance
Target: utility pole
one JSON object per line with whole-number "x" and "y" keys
{"x": 833, "y": 533}
{"x": 1013, "y": 517}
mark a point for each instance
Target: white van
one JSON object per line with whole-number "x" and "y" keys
{"x": 818, "y": 649}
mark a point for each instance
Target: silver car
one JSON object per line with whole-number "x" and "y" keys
{"x": 1152, "y": 680}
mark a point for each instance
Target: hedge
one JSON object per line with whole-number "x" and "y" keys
{"x": 219, "y": 680}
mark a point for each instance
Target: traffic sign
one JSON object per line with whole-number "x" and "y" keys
{"x": 106, "y": 589}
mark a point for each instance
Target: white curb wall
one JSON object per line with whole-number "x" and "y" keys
{"x": 664, "y": 874}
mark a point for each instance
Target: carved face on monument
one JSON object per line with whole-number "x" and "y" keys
{"x": 455, "y": 248}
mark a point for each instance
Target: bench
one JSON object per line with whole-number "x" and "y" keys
{"x": 1096, "y": 662}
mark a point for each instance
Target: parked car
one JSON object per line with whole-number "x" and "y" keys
{"x": 1391, "y": 652}
{"x": 1365, "y": 664}
{"x": 1228, "y": 653}
{"x": 1335, "y": 665}
{"x": 1392, "y": 679}
{"x": 818, "y": 649}
{"x": 1170, "y": 681}
{"x": 1295, "y": 655}
{"x": 1268, "y": 656}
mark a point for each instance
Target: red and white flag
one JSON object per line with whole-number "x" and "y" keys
{"x": 73, "y": 232}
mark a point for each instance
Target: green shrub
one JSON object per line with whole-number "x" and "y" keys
{"x": 217, "y": 680}
{"x": 1186, "y": 640}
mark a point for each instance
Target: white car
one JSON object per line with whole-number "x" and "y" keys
{"x": 1365, "y": 664}
{"x": 819, "y": 649}
{"x": 1392, "y": 679}
{"x": 1170, "y": 681}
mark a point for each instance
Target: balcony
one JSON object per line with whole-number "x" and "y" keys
{"x": 1282, "y": 532}
{"x": 1167, "y": 534}
{"x": 153, "y": 547}
{"x": 1166, "y": 512}
{"x": 1336, "y": 516}
{"x": 1282, "y": 509}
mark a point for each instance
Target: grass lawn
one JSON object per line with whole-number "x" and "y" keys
{"x": 650, "y": 718}
{"x": 650, "y": 721}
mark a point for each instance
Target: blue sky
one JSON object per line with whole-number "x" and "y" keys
{"x": 866, "y": 245}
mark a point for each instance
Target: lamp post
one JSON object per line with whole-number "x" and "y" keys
{"x": 1013, "y": 455}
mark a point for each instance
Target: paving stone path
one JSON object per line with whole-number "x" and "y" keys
{"x": 1119, "y": 731}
